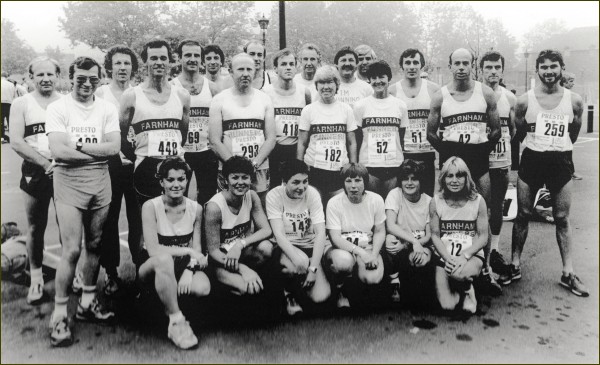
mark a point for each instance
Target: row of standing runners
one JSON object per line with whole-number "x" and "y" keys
{"x": 86, "y": 151}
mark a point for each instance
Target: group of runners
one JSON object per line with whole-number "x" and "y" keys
{"x": 330, "y": 171}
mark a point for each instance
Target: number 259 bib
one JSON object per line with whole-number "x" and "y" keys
{"x": 551, "y": 129}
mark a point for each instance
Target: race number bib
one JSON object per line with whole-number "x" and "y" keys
{"x": 551, "y": 129}
{"x": 456, "y": 243}
{"x": 85, "y": 134}
{"x": 288, "y": 128}
{"x": 247, "y": 146}
{"x": 297, "y": 227}
{"x": 382, "y": 147}
{"x": 415, "y": 138}
{"x": 329, "y": 154}
{"x": 502, "y": 150}
{"x": 197, "y": 139}
{"x": 466, "y": 132}
{"x": 163, "y": 143}
{"x": 360, "y": 239}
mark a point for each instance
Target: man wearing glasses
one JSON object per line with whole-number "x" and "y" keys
{"x": 83, "y": 131}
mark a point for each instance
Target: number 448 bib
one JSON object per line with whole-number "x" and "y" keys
{"x": 164, "y": 142}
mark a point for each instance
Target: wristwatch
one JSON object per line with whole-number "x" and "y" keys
{"x": 78, "y": 145}
{"x": 312, "y": 269}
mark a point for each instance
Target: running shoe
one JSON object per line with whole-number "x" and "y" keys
{"x": 498, "y": 263}
{"x": 94, "y": 313}
{"x": 182, "y": 335}
{"x": 342, "y": 301}
{"x": 574, "y": 284}
{"x": 395, "y": 293}
{"x": 61, "y": 333}
{"x": 112, "y": 284}
{"x": 470, "y": 303}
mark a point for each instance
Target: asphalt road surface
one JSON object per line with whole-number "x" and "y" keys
{"x": 534, "y": 321}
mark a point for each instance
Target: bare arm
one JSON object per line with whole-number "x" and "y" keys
{"x": 520, "y": 122}
{"x": 481, "y": 237}
{"x": 261, "y": 223}
{"x": 17, "y": 135}
{"x": 394, "y": 229}
{"x": 435, "y": 232}
{"x": 184, "y": 95}
{"x": 215, "y": 129}
{"x": 378, "y": 237}
{"x": 270, "y": 134}
{"x": 351, "y": 142}
{"x": 433, "y": 122}
{"x": 64, "y": 150}
{"x": 303, "y": 138}
{"x": 212, "y": 228}
{"x": 512, "y": 100}
{"x": 319, "y": 245}
{"x": 392, "y": 90}
{"x": 307, "y": 96}
{"x": 575, "y": 126}
{"x": 493, "y": 117}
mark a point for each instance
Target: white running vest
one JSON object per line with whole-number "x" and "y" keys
{"x": 244, "y": 127}
{"x": 464, "y": 121}
{"x": 197, "y": 138}
{"x": 287, "y": 113}
{"x": 179, "y": 233}
{"x": 157, "y": 127}
{"x": 548, "y": 130}
{"x": 35, "y": 127}
{"x": 415, "y": 137}
{"x": 501, "y": 155}
{"x": 458, "y": 226}
{"x": 234, "y": 225}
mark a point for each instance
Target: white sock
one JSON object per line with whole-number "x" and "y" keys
{"x": 37, "y": 276}
{"x": 495, "y": 241}
{"x": 60, "y": 308}
{"x": 87, "y": 295}
{"x": 176, "y": 317}
{"x": 394, "y": 278}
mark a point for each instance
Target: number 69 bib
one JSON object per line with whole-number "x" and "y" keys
{"x": 164, "y": 142}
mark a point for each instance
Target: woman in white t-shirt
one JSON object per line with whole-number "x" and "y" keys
{"x": 459, "y": 231}
{"x": 296, "y": 215}
{"x": 408, "y": 240}
{"x": 356, "y": 227}
{"x": 326, "y": 140}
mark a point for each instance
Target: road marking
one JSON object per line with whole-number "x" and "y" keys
{"x": 585, "y": 140}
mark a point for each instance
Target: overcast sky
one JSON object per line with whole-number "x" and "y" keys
{"x": 37, "y": 21}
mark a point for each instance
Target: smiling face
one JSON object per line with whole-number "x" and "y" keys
{"x": 44, "y": 77}
{"x": 238, "y": 183}
{"x": 410, "y": 185}
{"x": 380, "y": 84}
{"x": 549, "y": 72}
{"x": 85, "y": 82}
{"x": 191, "y": 56}
{"x": 455, "y": 180}
{"x": 327, "y": 90}
{"x": 296, "y": 186}
{"x": 364, "y": 60}
{"x": 347, "y": 65}
{"x": 309, "y": 61}
{"x": 174, "y": 184}
{"x": 213, "y": 63}
{"x": 157, "y": 62}
{"x": 121, "y": 67}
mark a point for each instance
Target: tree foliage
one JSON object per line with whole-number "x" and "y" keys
{"x": 538, "y": 35}
{"x": 16, "y": 53}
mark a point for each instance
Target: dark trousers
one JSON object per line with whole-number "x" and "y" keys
{"x": 5, "y": 115}
{"x": 280, "y": 154}
{"x": 205, "y": 166}
{"x": 121, "y": 180}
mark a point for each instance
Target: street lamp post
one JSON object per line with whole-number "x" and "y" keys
{"x": 264, "y": 23}
{"x": 526, "y": 54}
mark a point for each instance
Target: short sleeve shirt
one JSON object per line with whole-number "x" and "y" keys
{"x": 356, "y": 221}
